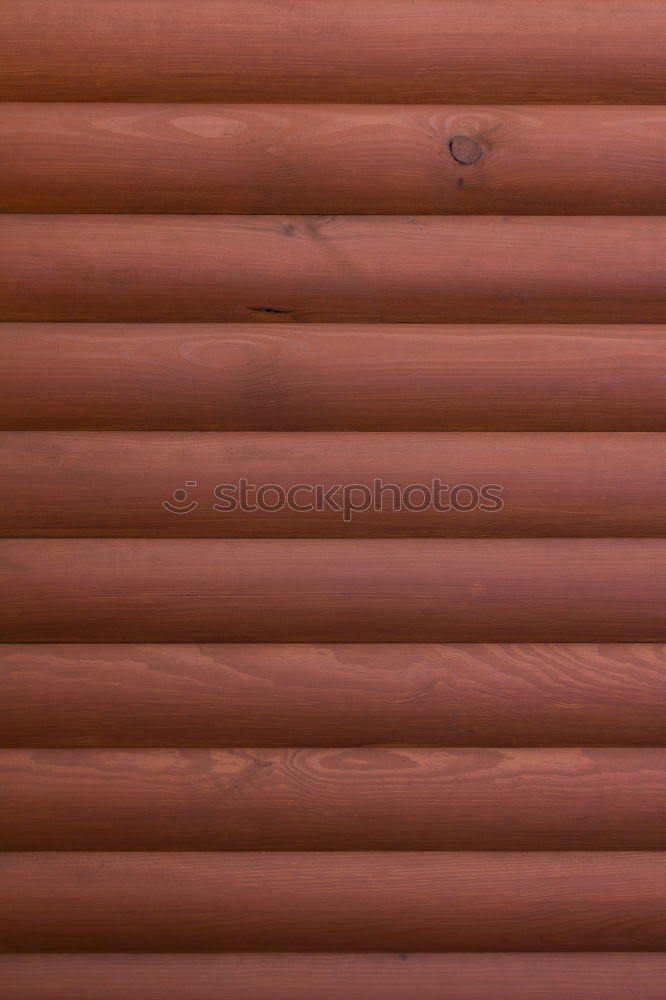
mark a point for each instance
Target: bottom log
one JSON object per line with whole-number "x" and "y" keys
{"x": 333, "y": 977}
{"x": 355, "y": 902}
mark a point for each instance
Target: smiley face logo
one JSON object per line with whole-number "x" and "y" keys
{"x": 179, "y": 503}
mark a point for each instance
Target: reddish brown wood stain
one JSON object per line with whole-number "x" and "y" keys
{"x": 308, "y": 377}
{"x": 314, "y": 590}
{"x": 323, "y": 50}
{"x": 344, "y": 694}
{"x": 375, "y": 799}
{"x": 341, "y": 901}
{"x": 276, "y": 753}
{"x": 332, "y": 159}
{"x": 380, "y": 485}
{"x": 333, "y": 269}
{"x": 393, "y": 976}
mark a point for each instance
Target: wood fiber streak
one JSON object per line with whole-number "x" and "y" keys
{"x": 333, "y": 268}
{"x": 333, "y": 159}
{"x": 112, "y": 484}
{"x": 123, "y": 695}
{"x": 319, "y": 50}
{"x": 82, "y": 376}
{"x": 466, "y": 902}
{"x": 374, "y": 799}
{"x": 383, "y": 590}
{"x": 390, "y": 976}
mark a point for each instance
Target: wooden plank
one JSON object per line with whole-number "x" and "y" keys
{"x": 333, "y": 268}
{"x": 344, "y": 901}
{"x": 290, "y": 590}
{"x": 69, "y": 376}
{"x": 333, "y": 159}
{"x": 123, "y": 695}
{"x": 464, "y": 50}
{"x": 372, "y": 798}
{"x": 171, "y": 485}
{"x": 598, "y": 976}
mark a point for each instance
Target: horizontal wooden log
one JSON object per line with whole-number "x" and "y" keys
{"x": 382, "y": 590}
{"x": 67, "y": 376}
{"x": 266, "y": 485}
{"x": 343, "y": 901}
{"x": 257, "y": 50}
{"x": 597, "y": 976}
{"x": 123, "y": 695}
{"x": 372, "y": 798}
{"x": 333, "y": 269}
{"x": 333, "y": 159}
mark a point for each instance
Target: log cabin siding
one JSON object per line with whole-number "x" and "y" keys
{"x": 285, "y": 753}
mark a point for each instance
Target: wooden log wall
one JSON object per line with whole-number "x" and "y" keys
{"x": 372, "y": 748}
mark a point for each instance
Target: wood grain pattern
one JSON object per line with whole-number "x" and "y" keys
{"x": 372, "y": 799}
{"x": 74, "y": 484}
{"x": 469, "y": 901}
{"x": 229, "y": 214}
{"x": 598, "y": 976}
{"x": 259, "y": 50}
{"x": 308, "y": 377}
{"x": 333, "y": 269}
{"x": 332, "y": 159}
{"x": 124, "y": 695}
{"x": 290, "y": 590}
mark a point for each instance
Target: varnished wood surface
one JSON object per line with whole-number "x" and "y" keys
{"x": 541, "y": 269}
{"x": 355, "y": 799}
{"x": 318, "y": 50}
{"x": 290, "y": 590}
{"x": 390, "y": 976}
{"x": 479, "y": 210}
{"x": 123, "y": 695}
{"x": 307, "y": 377}
{"x": 74, "y": 484}
{"x": 333, "y": 159}
{"x": 469, "y": 901}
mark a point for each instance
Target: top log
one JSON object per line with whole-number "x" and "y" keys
{"x": 463, "y": 51}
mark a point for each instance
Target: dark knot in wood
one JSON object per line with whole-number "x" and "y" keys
{"x": 465, "y": 150}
